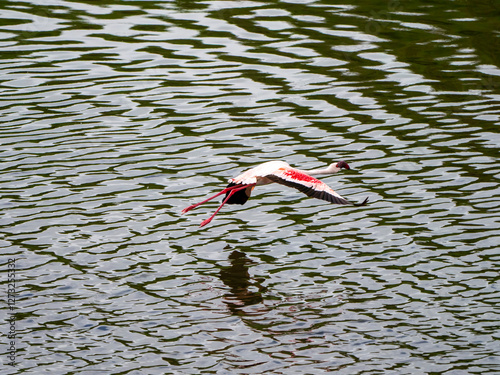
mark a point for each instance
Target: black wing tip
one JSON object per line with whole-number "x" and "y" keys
{"x": 362, "y": 203}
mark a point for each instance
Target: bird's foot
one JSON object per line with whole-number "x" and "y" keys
{"x": 205, "y": 222}
{"x": 188, "y": 208}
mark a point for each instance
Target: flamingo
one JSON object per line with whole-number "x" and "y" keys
{"x": 240, "y": 187}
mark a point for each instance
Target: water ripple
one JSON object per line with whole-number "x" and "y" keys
{"x": 115, "y": 117}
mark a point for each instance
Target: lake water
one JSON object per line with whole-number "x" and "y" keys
{"x": 117, "y": 115}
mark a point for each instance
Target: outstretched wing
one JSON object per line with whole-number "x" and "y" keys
{"x": 310, "y": 186}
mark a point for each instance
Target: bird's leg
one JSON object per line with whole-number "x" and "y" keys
{"x": 206, "y": 200}
{"x": 238, "y": 188}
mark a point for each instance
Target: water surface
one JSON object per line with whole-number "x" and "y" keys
{"x": 116, "y": 116}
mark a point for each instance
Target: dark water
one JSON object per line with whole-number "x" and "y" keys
{"x": 116, "y": 115}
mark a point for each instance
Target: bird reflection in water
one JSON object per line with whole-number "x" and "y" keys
{"x": 238, "y": 279}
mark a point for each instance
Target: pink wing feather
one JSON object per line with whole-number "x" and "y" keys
{"x": 308, "y": 185}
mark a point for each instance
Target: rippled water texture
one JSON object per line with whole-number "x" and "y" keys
{"x": 116, "y": 115}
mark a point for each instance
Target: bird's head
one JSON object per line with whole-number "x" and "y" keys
{"x": 336, "y": 167}
{"x": 342, "y": 164}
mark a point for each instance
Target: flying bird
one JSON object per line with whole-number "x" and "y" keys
{"x": 240, "y": 187}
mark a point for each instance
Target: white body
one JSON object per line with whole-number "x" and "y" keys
{"x": 283, "y": 173}
{"x": 240, "y": 187}
{"x": 257, "y": 174}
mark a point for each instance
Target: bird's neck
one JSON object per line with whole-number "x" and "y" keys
{"x": 329, "y": 170}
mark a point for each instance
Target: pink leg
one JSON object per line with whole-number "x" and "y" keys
{"x": 238, "y": 188}
{"x": 206, "y": 200}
